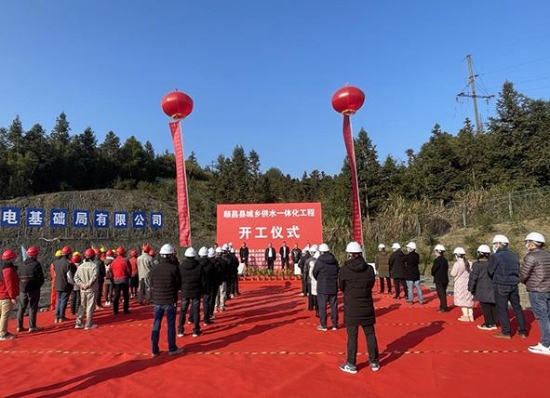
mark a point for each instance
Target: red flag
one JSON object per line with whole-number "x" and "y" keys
{"x": 181, "y": 184}
{"x": 357, "y": 226}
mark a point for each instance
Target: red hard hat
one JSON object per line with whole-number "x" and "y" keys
{"x": 97, "y": 250}
{"x": 33, "y": 251}
{"x": 76, "y": 259}
{"x": 152, "y": 252}
{"x": 9, "y": 255}
{"x": 146, "y": 248}
{"x": 89, "y": 253}
{"x": 66, "y": 250}
{"x": 120, "y": 250}
{"x": 109, "y": 253}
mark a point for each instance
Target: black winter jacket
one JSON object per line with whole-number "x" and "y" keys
{"x": 208, "y": 275}
{"x": 440, "y": 270}
{"x": 504, "y": 267}
{"x": 191, "y": 278}
{"x": 31, "y": 275}
{"x": 165, "y": 282}
{"x": 356, "y": 282}
{"x": 480, "y": 284}
{"x": 411, "y": 262}
{"x": 61, "y": 266}
{"x": 396, "y": 264}
{"x": 325, "y": 272}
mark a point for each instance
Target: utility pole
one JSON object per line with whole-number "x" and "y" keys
{"x": 473, "y": 95}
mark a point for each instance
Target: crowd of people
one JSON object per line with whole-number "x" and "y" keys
{"x": 100, "y": 279}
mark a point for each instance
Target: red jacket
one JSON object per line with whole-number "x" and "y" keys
{"x": 121, "y": 269}
{"x": 9, "y": 283}
{"x": 133, "y": 264}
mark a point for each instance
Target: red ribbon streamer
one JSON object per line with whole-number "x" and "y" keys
{"x": 181, "y": 184}
{"x": 357, "y": 225}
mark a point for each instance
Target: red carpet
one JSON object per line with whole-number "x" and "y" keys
{"x": 266, "y": 345}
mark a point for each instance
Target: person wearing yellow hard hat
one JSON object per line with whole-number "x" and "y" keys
{"x": 53, "y": 294}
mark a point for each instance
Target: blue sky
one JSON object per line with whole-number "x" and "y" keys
{"x": 262, "y": 73}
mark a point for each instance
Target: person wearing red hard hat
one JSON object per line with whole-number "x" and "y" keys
{"x": 9, "y": 290}
{"x": 134, "y": 279}
{"x": 31, "y": 279}
{"x": 122, "y": 270}
{"x": 145, "y": 265}
{"x": 86, "y": 281}
{"x": 63, "y": 268}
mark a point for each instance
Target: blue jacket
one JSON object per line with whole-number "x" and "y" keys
{"x": 503, "y": 267}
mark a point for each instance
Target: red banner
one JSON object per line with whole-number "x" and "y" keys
{"x": 181, "y": 184}
{"x": 260, "y": 224}
{"x": 357, "y": 226}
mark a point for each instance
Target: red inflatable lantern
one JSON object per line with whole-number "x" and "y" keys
{"x": 347, "y": 101}
{"x": 178, "y": 106}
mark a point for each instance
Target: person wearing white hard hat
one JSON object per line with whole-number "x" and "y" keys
{"x": 326, "y": 272}
{"x": 381, "y": 262}
{"x": 440, "y": 274}
{"x": 356, "y": 280}
{"x": 222, "y": 269}
{"x": 481, "y": 286}
{"x": 397, "y": 271}
{"x": 535, "y": 273}
{"x": 461, "y": 295}
{"x": 411, "y": 265}
{"x": 192, "y": 284}
{"x": 207, "y": 269}
{"x": 165, "y": 283}
{"x": 309, "y": 263}
{"x": 504, "y": 270}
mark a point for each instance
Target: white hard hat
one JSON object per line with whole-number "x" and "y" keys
{"x": 459, "y": 250}
{"x": 313, "y": 248}
{"x": 411, "y": 245}
{"x": 225, "y": 247}
{"x": 484, "y": 249}
{"x": 381, "y": 246}
{"x": 219, "y": 249}
{"x": 500, "y": 239}
{"x": 396, "y": 246}
{"x": 323, "y": 248}
{"x": 535, "y": 237}
{"x": 353, "y": 247}
{"x": 203, "y": 251}
{"x": 190, "y": 252}
{"x": 439, "y": 248}
{"x": 211, "y": 252}
{"x": 166, "y": 249}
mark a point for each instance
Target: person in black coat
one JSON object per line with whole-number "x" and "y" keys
{"x": 325, "y": 272}
{"x": 244, "y": 252}
{"x": 31, "y": 279}
{"x": 284, "y": 252}
{"x": 270, "y": 257}
{"x": 356, "y": 281}
{"x": 440, "y": 273}
{"x": 481, "y": 286}
{"x": 209, "y": 284}
{"x": 191, "y": 275}
{"x": 62, "y": 266}
{"x": 165, "y": 282}
{"x": 411, "y": 264}
{"x": 302, "y": 264}
{"x": 398, "y": 271}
